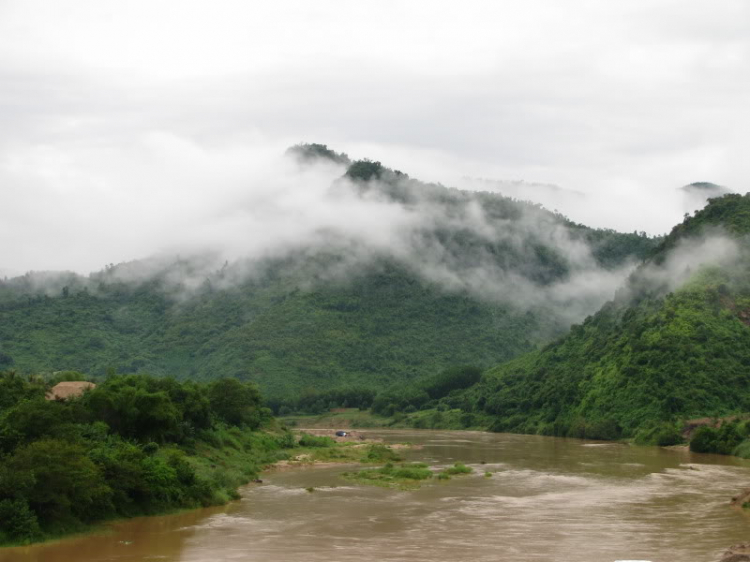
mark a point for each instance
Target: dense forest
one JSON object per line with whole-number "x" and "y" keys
{"x": 656, "y": 355}
{"x": 477, "y": 283}
{"x": 133, "y": 445}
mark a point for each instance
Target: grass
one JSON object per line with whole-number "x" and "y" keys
{"x": 230, "y": 458}
{"x": 404, "y": 477}
{"x": 458, "y": 468}
{"x": 348, "y": 452}
{"x": 307, "y": 440}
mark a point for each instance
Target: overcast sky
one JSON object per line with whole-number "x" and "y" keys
{"x": 126, "y": 126}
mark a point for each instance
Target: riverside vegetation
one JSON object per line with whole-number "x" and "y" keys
{"x": 139, "y": 445}
{"x": 406, "y": 476}
{"x": 136, "y": 445}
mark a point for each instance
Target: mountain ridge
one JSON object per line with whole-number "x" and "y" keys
{"x": 462, "y": 277}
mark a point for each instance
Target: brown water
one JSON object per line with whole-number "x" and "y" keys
{"x": 547, "y": 500}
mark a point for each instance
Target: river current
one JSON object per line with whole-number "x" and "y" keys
{"x": 547, "y": 500}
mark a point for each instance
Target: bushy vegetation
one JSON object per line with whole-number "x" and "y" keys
{"x": 404, "y": 476}
{"x": 316, "y": 402}
{"x": 457, "y": 469}
{"x": 663, "y": 434}
{"x": 722, "y": 440}
{"x": 379, "y": 453}
{"x": 425, "y": 392}
{"x": 133, "y": 445}
{"x": 308, "y": 440}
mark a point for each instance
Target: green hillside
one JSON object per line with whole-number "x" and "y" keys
{"x": 330, "y": 314}
{"x": 654, "y": 355}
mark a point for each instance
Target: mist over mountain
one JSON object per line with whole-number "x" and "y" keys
{"x": 672, "y": 344}
{"x": 372, "y": 275}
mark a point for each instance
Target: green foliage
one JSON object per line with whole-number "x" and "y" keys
{"x": 286, "y": 440}
{"x": 418, "y": 393}
{"x": 236, "y": 403}
{"x": 379, "y": 453}
{"x": 18, "y": 523}
{"x": 313, "y": 401}
{"x": 743, "y": 450}
{"x": 122, "y": 450}
{"x": 662, "y": 434}
{"x": 646, "y": 360}
{"x": 405, "y": 476}
{"x": 458, "y": 468}
{"x": 307, "y": 440}
{"x": 67, "y": 488}
{"x": 722, "y": 440}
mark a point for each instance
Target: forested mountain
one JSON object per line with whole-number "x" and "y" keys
{"x": 673, "y": 344}
{"x": 455, "y": 277}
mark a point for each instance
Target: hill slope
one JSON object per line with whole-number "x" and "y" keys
{"x": 462, "y": 277}
{"x": 674, "y": 344}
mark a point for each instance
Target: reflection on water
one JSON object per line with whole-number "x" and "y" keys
{"x": 547, "y": 500}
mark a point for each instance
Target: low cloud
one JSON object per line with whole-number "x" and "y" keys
{"x": 712, "y": 248}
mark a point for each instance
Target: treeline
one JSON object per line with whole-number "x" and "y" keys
{"x": 317, "y": 402}
{"x": 425, "y": 393}
{"x": 422, "y": 393}
{"x": 124, "y": 448}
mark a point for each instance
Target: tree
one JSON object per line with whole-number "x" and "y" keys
{"x": 67, "y": 487}
{"x": 236, "y": 403}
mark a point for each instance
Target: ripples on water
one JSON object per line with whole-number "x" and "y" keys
{"x": 547, "y": 500}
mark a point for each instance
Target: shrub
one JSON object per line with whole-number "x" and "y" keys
{"x": 307, "y": 440}
{"x": 723, "y": 440}
{"x": 663, "y": 435}
{"x": 286, "y": 440}
{"x": 17, "y": 521}
{"x": 458, "y": 468}
{"x": 379, "y": 453}
{"x": 415, "y": 471}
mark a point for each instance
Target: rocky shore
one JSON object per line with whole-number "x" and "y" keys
{"x": 737, "y": 553}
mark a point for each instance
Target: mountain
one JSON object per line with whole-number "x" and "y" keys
{"x": 696, "y": 194}
{"x": 673, "y": 344}
{"x": 442, "y": 277}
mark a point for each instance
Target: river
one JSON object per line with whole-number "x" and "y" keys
{"x": 547, "y": 500}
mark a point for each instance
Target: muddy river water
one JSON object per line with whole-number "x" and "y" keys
{"x": 547, "y": 500}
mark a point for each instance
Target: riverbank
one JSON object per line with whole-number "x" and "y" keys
{"x": 355, "y": 418}
{"x": 229, "y": 458}
{"x": 728, "y": 435}
{"x": 546, "y": 497}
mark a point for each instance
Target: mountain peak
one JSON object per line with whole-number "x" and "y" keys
{"x": 311, "y": 152}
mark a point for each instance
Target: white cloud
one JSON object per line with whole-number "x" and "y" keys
{"x": 130, "y": 127}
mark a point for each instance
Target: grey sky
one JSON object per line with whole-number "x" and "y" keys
{"x": 126, "y": 127}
